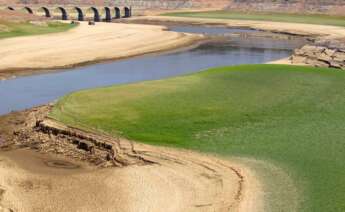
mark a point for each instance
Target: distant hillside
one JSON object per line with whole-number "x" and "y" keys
{"x": 159, "y": 4}
{"x": 314, "y": 6}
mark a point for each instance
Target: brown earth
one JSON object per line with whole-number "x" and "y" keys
{"x": 176, "y": 180}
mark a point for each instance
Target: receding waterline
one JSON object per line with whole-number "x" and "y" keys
{"x": 25, "y": 92}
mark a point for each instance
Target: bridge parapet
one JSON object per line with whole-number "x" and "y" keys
{"x": 72, "y": 12}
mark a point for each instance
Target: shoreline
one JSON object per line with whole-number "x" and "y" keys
{"x": 207, "y": 183}
{"x": 171, "y": 158}
{"x": 180, "y": 41}
{"x": 111, "y": 46}
{"x": 8, "y": 74}
{"x": 299, "y": 29}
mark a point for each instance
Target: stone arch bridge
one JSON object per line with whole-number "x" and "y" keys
{"x": 80, "y": 13}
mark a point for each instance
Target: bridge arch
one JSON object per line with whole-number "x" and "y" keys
{"x": 127, "y": 12}
{"x": 95, "y": 14}
{"x": 117, "y": 12}
{"x": 63, "y": 11}
{"x": 46, "y": 12}
{"x": 10, "y": 8}
{"x": 80, "y": 13}
{"x": 29, "y": 10}
{"x": 107, "y": 14}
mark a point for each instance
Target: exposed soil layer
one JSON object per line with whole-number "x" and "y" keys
{"x": 36, "y": 131}
{"x": 40, "y": 155}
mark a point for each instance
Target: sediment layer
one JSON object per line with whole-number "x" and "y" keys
{"x": 40, "y": 155}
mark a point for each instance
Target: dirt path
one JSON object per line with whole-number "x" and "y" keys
{"x": 86, "y": 44}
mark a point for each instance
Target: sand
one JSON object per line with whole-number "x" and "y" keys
{"x": 170, "y": 179}
{"x": 333, "y": 32}
{"x": 178, "y": 181}
{"x": 85, "y": 44}
{"x": 107, "y": 41}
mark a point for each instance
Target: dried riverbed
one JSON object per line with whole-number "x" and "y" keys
{"x": 150, "y": 178}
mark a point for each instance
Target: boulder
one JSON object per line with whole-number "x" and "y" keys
{"x": 324, "y": 57}
{"x": 330, "y": 52}
{"x": 334, "y": 64}
{"x": 339, "y": 57}
{"x": 296, "y": 59}
{"x": 317, "y": 63}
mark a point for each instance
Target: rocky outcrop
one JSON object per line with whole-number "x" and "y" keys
{"x": 324, "y": 53}
{"x": 45, "y": 135}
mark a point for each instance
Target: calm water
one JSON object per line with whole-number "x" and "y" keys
{"x": 29, "y": 91}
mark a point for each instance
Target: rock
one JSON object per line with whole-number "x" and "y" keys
{"x": 324, "y": 53}
{"x": 295, "y": 59}
{"x": 339, "y": 57}
{"x": 334, "y": 64}
{"x": 317, "y": 63}
{"x": 75, "y": 22}
{"x": 92, "y": 150}
{"x": 109, "y": 157}
{"x": 329, "y": 52}
{"x": 85, "y": 145}
{"x": 324, "y": 57}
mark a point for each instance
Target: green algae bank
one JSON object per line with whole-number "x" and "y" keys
{"x": 290, "y": 116}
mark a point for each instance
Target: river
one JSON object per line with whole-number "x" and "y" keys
{"x": 28, "y": 91}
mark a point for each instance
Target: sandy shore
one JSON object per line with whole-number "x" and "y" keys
{"x": 289, "y": 28}
{"x": 35, "y": 178}
{"x": 86, "y": 44}
{"x": 178, "y": 181}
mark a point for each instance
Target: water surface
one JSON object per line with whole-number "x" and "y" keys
{"x": 29, "y": 91}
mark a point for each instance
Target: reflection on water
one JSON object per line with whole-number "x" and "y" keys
{"x": 29, "y": 91}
